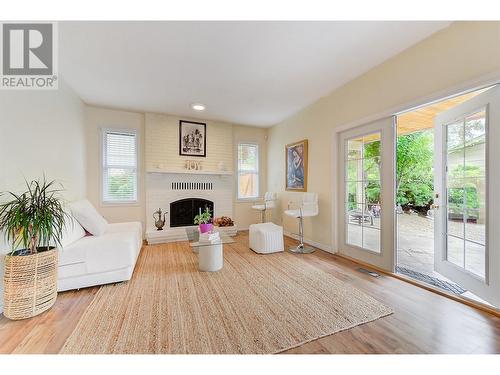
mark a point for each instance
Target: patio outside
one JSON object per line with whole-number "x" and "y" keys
{"x": 415, "y": 249}
{"x": 416, "y": 245}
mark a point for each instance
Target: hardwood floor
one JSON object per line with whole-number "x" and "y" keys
{"x": 423, "y": 322}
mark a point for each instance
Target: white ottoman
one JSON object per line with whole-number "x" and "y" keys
{"x": 266, "y": 238}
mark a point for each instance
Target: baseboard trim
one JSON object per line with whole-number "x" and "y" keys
{"x": 318, "y": 245}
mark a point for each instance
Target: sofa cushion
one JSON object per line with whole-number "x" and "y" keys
{"x": 130, "y": 227}
{"x": 117, "y": 248}
{"x": 73, "y": 253}
{"x": 72, "y": 231}
{"x": 88, "y": 217}
{"x": 111, "y": 251}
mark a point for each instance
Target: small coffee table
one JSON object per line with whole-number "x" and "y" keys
{"x": 210, "y": 254}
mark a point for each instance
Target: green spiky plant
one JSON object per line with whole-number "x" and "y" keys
{"x": 34, "y": 220}
{"x": 203, "y": 218}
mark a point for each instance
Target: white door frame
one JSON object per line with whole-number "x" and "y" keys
{"x": 437, "y": 96}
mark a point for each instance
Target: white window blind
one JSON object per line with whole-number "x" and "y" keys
{"x": 119, "y": 167}
{"x": 248, "y": 171}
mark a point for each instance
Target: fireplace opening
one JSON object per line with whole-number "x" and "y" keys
{"x": 182, "y": 212}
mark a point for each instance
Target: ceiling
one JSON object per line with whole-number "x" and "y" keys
{"x": 423, "y": 118}
{"x": 255, "y": 73}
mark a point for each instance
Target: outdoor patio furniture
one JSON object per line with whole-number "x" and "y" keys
{"x": 375, "y": 210}
{"x": 358, "y": 215}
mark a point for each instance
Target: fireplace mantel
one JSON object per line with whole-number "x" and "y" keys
{"x": 185, "y": 171}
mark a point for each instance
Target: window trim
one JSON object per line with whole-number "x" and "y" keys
{"x": 103, "y": 168}
{"x": 257, "y": 171}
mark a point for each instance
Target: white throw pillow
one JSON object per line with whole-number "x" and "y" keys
{"x": 72, "y": 231}
{"x": 88, "y": 217}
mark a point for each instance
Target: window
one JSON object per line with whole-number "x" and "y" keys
{"x": 248, "y": 171}
{"x": 119, "y": 167}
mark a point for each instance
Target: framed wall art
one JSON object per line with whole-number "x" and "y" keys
{"x": 296, "y": 166}
{"x": 192, "y": 138}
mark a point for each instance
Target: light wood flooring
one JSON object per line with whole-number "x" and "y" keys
{"x": 423, "y": 322}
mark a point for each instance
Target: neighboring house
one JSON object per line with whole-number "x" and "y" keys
{"x": 471, "y": 158}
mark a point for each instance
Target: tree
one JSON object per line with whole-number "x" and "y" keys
{"x": 414, "y": 169}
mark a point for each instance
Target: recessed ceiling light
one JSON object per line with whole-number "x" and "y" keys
{"x": 198, "y": 106}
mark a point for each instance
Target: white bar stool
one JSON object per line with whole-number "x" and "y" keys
{"x": 267, "y": 203}
{"x": 308, "y": 208}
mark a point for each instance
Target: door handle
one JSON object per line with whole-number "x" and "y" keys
{"x": 435, "y": 206}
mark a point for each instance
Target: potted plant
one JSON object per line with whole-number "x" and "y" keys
{"x": 204, "y": 219}
{"x": 32, "y": 223}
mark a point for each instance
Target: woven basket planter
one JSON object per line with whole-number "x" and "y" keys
{"x": 30, "y": 284}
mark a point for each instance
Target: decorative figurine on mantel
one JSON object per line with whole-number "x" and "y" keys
{"x": 193, "y": 165}
{"x": 159, "y": 222}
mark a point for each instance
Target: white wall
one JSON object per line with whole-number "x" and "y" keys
{"x": 41, "y": 132}
{"x": 461, "y": 53}
{"x": 97, "y": 118}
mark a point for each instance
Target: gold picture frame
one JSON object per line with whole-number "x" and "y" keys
{"x": 296, "y": 160}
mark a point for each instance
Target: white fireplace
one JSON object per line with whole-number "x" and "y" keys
{"x": 164, "y": 188}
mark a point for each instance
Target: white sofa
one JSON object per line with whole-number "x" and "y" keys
{"x": 86, "y": 260}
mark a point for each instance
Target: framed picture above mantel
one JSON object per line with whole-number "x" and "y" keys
{"x": 296, "y": 166}
{"x": 192, "y": 138}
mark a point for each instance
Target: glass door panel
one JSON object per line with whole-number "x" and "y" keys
{"x": 366, "y": 162}
{"x": 362, "y": 183}
{"x": 466, "y": 192}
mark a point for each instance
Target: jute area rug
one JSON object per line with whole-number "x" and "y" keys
{"x": 255, "y": 304}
